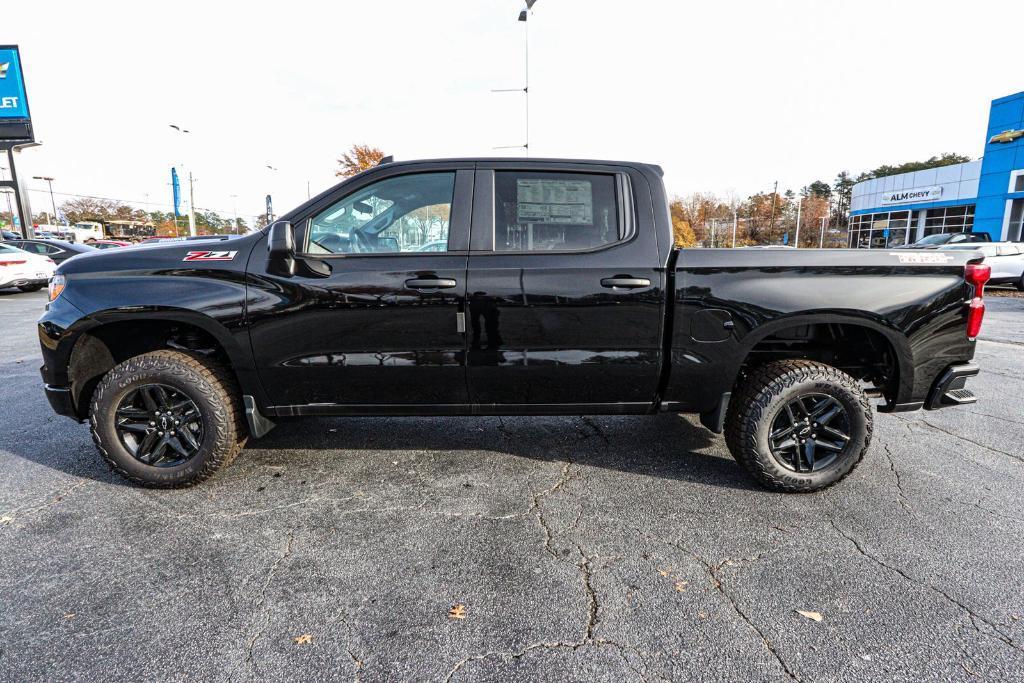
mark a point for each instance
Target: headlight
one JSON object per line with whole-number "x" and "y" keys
{"x": 57, "y": 283}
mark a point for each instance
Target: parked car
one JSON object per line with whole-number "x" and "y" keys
{"x": 939, "y": 239}
{"x": 107, "y": 244}
{"x": 191, "y": 238}
{"x": 58, "y": 250}
{"x": 1006, "y": 259}
{"x": 8, "y": 235}
{"x": 26, "y": 271}
{"x": 559, "y": 293}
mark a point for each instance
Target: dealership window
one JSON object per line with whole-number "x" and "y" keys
{"x": 880, "y": 230}
{"x": 538, "y": 211}
{"x": 949, "y": 219}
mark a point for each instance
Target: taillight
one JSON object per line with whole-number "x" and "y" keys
{"x": 976, "y": 275}
{"x": 51, "y": 261}
{"x": 12, "y": 263}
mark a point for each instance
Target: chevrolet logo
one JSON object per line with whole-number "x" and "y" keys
{"x": 1007, "y": 136}
{"x": 3, "y": 69}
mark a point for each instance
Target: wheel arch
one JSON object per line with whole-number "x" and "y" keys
{"x": 800, "y": 337}
{"x": 113, "y": 336}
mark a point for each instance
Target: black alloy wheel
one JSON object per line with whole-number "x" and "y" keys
{"x": 159, "y": 425}
{"x": 809, "y": 433}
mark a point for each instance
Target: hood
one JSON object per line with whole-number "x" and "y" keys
{"x": 186, "y": 254}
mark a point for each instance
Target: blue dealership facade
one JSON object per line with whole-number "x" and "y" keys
{"x": 986, "y": 195}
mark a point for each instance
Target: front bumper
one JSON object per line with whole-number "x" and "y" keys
{"x": 950, "y": 388}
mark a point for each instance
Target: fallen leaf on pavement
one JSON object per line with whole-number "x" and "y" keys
{"x": 681, "y": 585}
{"x": 304, "y": 639}
{"x": 813, "y": 616}
{"x": 69, "y": 615}
{"x": 5, "y": 519}
{"x": 457, "y": 612}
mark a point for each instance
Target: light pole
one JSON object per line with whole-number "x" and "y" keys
{"x": 191, "y": 189}
{"x": 270, "y": 211}
{"x": 523, "y": 17}
{"x": 53, "y": 205}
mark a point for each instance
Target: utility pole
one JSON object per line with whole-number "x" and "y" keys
{"x": 191, "y": 206}
{"x": 8, "y": 195}
{"x": 799, "y": 205}
{"x": 771, "y": 222}
{"x": 234, "y": 208}
{"x": 735, "y": 220}
{"x": 821, "y": 242}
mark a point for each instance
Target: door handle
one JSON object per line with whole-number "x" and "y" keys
{"x": 626, "y": 282}
{"x": 430, "y": 283}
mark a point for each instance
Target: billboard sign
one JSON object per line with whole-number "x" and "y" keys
{"x": 921, "y": 194}
{"x": 15, "y": 119}
{"x": 13, "y": 104}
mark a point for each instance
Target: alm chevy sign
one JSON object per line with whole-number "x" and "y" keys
{"x": 922, "y": 194}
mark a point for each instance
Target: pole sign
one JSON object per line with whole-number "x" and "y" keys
{"x": 176, "y": 192}
{"x": 270, "y": 209}
{"x": 15, "y": 119}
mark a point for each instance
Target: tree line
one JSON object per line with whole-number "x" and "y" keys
{"x": 707, "y": 219}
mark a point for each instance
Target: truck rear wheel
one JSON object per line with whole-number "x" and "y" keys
{"x": 167, "y": 419}
{"x": 798, "y": 426}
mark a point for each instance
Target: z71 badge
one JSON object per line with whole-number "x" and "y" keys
{"x": 209, "y": 256}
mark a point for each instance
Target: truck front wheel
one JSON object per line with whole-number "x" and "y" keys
{"x": 167, "y": 419}
{"x": 798, "y": 426}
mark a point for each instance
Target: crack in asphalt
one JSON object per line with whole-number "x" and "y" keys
{"x": 1017, "y": 457}
{"x": 258, "y": 607}
{"x": 973, "y": 616}
{"x": 356, "y": 661}
{"x": 716, "y": 582}
{"x": 901, "y": 498}
{"x": 996, "y": 417}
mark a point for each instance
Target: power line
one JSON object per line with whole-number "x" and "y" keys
{"x": 119, "y": 199}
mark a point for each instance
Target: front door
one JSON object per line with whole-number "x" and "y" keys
{"x": 370, "y": 320}
{"x": 565, "y": 296}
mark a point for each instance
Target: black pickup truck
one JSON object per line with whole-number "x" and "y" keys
{"x": 497, "y": 286}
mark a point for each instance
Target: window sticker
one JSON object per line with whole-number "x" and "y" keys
{"x": 554, "y": 202}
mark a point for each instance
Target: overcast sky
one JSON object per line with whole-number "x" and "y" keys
{"x": 726, "y": 96}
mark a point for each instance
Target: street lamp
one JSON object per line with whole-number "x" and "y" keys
{"x": 53, "y": 205}
{"x": 191, "y": 190}
{"x": 523, "y": 17}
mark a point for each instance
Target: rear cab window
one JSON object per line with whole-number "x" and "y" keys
{"x": 541, "y": 211}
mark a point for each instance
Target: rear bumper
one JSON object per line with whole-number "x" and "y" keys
{"x": 60, "y": 400}
{"x": 24, "y": 282}
{"x": 950, "y": 388}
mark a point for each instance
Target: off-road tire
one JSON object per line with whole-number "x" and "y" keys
{"x": 30, "y": 288}
{"x": 210, "y": 386}
{"x": 759, "y": 399}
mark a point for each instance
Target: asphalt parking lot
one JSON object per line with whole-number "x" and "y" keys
{"x": 479, "y": 549}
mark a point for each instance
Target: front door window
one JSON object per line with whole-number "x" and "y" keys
{"x": 408, "y": 213}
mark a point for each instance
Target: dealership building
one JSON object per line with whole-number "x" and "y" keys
{"x": 986, "y": 195}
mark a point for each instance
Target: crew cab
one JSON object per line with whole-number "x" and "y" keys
{"x": 558, "y": 291}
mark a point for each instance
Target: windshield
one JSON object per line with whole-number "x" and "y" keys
{"x": 935, "y": 239}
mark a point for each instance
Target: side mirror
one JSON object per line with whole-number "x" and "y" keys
{"x": 281, "y": 242}
{"x": 281, "y": 249}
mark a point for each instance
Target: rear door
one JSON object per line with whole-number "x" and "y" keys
{"x": 565, "y": 297}
{"x": 370, "y": 322}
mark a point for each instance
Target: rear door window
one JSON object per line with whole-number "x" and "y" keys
{"x": 555, "y": 211}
